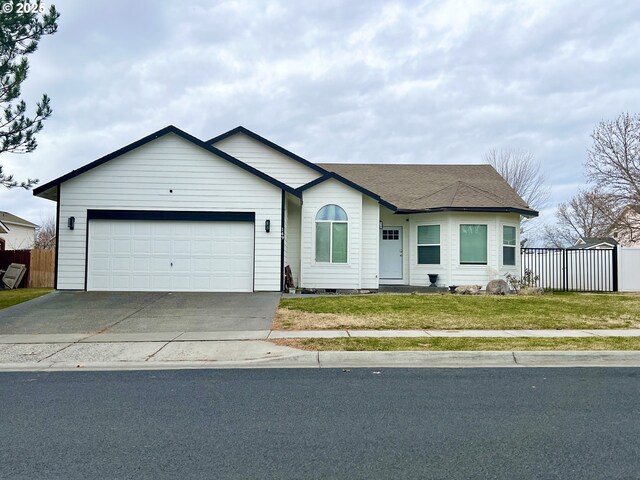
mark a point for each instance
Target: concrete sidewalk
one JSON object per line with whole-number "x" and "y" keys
{"x": 262, "y": 354}
{"x": 251, "y": 349}
{"x": 26, "y": 338}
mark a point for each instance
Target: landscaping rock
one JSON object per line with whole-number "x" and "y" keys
{"x": 531, "y": 291}
{"x": 468, "y": 289}
{"x": 497, "y": 287}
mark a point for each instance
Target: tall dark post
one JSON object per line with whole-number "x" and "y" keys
{"x": 565, "y": 271}
{"x": 614, "y": 269}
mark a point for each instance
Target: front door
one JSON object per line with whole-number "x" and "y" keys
{"x": 391, "y": 253}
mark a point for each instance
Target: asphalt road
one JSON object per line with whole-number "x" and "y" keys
{"x": 358, "y": 424}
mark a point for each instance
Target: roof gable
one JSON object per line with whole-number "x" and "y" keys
{"x": 44, "y": 190}
{"x": 268, "y": 143}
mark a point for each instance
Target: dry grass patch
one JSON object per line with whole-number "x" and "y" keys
{"x": 450, "y": 312}
{"x": 461, "y": 344}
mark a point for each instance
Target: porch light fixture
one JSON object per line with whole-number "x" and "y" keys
{"x": 381, "y": 225}
{"x": 71, "y": 222}
{"x": 267, "y": 226}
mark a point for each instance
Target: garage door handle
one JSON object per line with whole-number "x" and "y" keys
{"x": 172, "y": 264}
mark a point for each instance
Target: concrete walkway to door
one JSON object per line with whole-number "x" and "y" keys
{"x": 140, "y": 313}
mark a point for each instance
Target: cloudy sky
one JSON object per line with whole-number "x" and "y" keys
{"x": 335, "y": 81}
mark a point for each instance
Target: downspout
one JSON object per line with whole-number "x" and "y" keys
{"x": 55, "y": 265}
{"x": 282, "y": 206}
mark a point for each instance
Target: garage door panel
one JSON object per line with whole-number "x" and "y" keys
{"x": 141, "y": 282}
{"x": 121, "y": 228}
{"x": 121, "y": 282}
{"x": 141, "y": 246}
{"x": 161, "y": 246}
{"x": 121, "y": 264}
{"x": 170, "y": 256}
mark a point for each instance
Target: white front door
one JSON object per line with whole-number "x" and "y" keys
{"x": 391, "y": 253}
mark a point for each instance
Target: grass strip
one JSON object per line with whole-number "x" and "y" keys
{"x": 461, "y": 344}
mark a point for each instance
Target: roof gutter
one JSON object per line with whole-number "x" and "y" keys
{"x": 521, "y": 211}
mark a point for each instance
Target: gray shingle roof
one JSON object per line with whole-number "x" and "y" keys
{"x": 418, "y": 187}
{"x": 593, "y": 241}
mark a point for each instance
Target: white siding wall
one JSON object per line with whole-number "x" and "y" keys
{"x": 450, "y": 272}
{"x": 292, "y": 238}
{"x": 419, "y": 273}
{"x": 142, "y": 180}
{"x": 327, "y": 275}
{"x": 18, "y": 237}
{"x": 267, "y": 160}
{"x": 369, "y": 265}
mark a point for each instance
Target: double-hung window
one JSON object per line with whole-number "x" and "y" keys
{"x": 473, "y": 244}
{"x": 332, "y": 232}
{"x": 508, "y": 245}
{"x": 429, "y": 244}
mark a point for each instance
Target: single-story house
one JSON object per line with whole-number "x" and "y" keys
{"x": 16, "y": 233}
{"x": 171, "y": 212}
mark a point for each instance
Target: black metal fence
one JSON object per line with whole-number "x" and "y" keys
{"x": 572, "y": 270}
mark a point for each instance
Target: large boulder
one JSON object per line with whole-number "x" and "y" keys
{"x": 468, "y": 289}
{"x": 531, "y": 291}
{"x": 497, "y": 287}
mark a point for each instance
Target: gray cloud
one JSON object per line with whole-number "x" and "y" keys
{"x": 335, "y": 80}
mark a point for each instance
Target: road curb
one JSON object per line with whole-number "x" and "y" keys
{"x": 488, "y": 359}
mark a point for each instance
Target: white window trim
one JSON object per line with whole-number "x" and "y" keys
{"x": 330, "y": 263}
{"x": 502, "y": 245}
{"x": 473, "y": 265}
{"x": 428, "y": 244}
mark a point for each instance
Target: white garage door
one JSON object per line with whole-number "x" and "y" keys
{"x": 176, "y": 256}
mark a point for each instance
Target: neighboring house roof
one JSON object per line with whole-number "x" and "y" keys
{"x": 431, "y": 188}
{"x": 47, "y": 189}
{"x": 6, "y": 217}
{"x": 591, "y": 242}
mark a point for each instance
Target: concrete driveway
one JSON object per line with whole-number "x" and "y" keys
{"x": 140, "y": 312}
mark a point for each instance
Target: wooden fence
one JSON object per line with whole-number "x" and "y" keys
{"x": 40, "y": 266}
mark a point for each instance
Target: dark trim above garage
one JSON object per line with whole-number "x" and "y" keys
{"x": 162, "y": 215}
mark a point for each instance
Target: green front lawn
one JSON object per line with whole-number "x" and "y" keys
{"x": 449, "y": 312}
{"x": 13, "y": 297}
{"x": 462, "y": 344}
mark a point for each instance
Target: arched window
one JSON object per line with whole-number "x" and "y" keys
{"x": 332, "y": 232}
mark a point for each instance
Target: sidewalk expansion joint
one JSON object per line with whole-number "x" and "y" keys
{"x": 157, "y": 351}
{"x": 515, "y": 360}
{"x": 56, "y": 352}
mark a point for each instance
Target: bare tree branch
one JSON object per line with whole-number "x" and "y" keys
{"x": 590, "y": 213}
{"x": 46, "y": 234}
{"x": 520, "y": 169}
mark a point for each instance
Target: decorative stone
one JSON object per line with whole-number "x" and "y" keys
{"x": 531, "y": 291}
{"x": 497, "y": 287}
{"x": 468, "y": 289}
